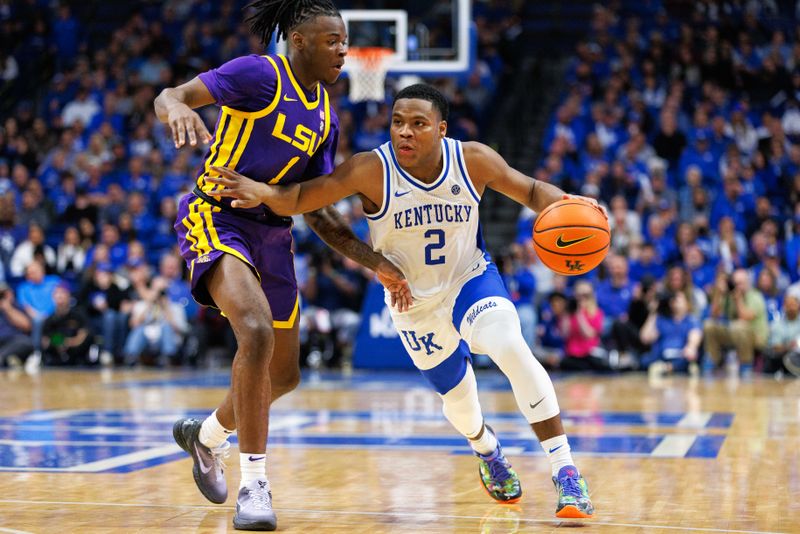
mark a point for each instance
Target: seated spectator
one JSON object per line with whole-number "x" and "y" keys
{"x": 15, "y": 326}
{"x": 699, "y": 269}
{"x": 678, "y": 279}
{"x": 625, "y": 224}
{"x": 550, "y": 347}
{"x": 35, "y": 296}
{"x": 108, "y": 306}
{"x": 66, "y": 334}
{"x": 581, "y": 329}
{"x": 32, "y": 247}
{"x": 615, "y": 293}
{"x": 71, "y": 256}
{"x": 766, "y": 284}
{"x": 647, "y": 263}
{"x": 738, "y": 320}
{"x": 675, "y": 338}
{"x": 624, "y": 340}
{"x": 521, "y": 286}
{"x": 783, "y": 346}
{"x": 157, "y": 328}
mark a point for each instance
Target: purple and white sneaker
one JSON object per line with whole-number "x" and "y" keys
{"x": 209, "y": 464}
{"x": 254, "y": 507}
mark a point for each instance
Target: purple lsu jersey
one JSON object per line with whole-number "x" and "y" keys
{"x": 273, "y": 130}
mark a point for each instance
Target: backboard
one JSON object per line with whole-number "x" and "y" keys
{"x": 429, "y": 38}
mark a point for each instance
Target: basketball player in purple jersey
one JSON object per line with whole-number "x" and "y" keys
{"x": 276, "y": 124}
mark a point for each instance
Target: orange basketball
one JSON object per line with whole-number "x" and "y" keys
{"x": 571, "y": 236}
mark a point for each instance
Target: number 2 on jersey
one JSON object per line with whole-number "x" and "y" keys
{"x": 431, "y": 247}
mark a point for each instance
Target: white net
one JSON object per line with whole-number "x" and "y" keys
{"x": 367, "y": 67}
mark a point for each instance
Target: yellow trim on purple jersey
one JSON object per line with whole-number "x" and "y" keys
{"x": 288, "y": 323}
{"x": 298, "y": 89}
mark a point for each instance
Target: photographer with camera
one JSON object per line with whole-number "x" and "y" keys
{"x": 738, "y": 320}
{"x": 157, "y": 324}
{"x": 581, "y": 329}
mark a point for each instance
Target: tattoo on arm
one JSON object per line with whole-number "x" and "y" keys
{"x": 328, "y": 224}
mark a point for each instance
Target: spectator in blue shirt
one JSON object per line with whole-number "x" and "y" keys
{"x": 648, "y": 263}
{"x": 521, "y": 285}
{"x": 35, "y": 296}
{"x": 675, "y": 338}
{"x": 614, "y": 294}
{"x": 731, "y": 203}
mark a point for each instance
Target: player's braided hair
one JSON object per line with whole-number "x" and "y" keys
{"x": 285, "y": 15}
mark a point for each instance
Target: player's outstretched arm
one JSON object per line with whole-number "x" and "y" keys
{"x": 487, "y": 168}
{"x": 329, "y": 225}
{"x": 174, "y": 106}
{"x": 361, "y": 175}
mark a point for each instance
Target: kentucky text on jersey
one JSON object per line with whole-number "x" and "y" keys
{"x": 432, "y": 214}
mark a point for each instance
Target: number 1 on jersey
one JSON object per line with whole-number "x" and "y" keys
{"x": 439, "y": 244}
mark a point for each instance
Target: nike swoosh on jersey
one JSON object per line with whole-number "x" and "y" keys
{"x": 205, "y": 469}
{"x": 399, "y": 194}
{"x": 561, "y": 243}
{"x": 287, "y": 98}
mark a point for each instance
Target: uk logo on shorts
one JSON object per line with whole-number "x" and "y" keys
{"x": 418, "y": 343}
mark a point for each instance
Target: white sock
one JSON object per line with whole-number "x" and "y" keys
{"x": 212, "y": 433}
{"x": 254, "y": 467}
{"x": 558, "y": 452}
{"x": 486, "y": 445}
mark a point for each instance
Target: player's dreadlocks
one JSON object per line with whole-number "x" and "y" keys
{"x": 285, "y": 15}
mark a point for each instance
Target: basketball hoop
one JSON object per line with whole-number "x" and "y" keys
{"x": 367, "y": 67}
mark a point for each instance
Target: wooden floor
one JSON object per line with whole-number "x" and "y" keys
{"x": 91, "y": 451}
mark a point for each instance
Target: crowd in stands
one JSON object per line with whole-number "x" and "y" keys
{"x": 686, "y": 126}
{"x": 89, "y": 180}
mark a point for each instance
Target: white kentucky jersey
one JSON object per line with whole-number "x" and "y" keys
{"x": 430, "y": 231}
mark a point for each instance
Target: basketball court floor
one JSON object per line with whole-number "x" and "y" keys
{"x": 92, "y": 451}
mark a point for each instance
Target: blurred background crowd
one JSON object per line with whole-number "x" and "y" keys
{"x": 682, "y": 118}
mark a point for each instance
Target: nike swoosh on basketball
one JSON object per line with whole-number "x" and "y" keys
{"x": 537, "y": 403}
{"x": 287, "y": 98}
{"x": 560, "y": 243}
{"x": 205, "y": 469}
{"x": 399, "y": 194}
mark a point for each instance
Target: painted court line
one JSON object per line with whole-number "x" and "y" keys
{"x": 124, "y": 459}
{"x": 410, "y": 515}
{"x": 694, "y": 420}
{"x": 12, "y": 531}
{"x": 674, "y": 446}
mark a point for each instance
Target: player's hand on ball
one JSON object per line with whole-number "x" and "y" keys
{"x": 592, "y": 201}
{"x": 186, "y": 123}
{"x": 395, "y": 281}
{"x": 247, "y": 192}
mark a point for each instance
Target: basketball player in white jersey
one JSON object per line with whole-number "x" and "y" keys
{"x": 421, "y": 193}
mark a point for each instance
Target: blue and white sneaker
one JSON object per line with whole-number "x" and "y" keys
{"x": 254, "y": 507}
{"x": 573, "y": 494}
{"x": 497, "y": 476}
